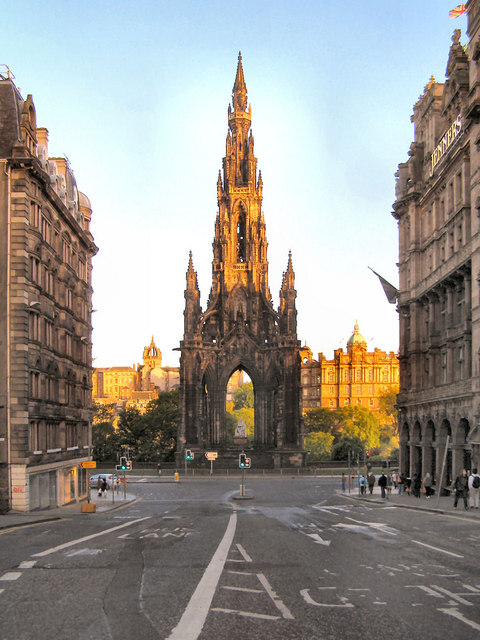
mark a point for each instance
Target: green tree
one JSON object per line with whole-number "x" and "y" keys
{"x": 319, "y": 445}
{"x": 104, "y": 437}
{"x": 346, "y": 444}
{"x": 321, "y": 419}
{"x": 244, "y": 397}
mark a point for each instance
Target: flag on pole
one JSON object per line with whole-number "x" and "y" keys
{"x": 390, "y": 291}
{"x": 455, "y": 13}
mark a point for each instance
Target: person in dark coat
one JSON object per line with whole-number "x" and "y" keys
{"x": 371, "y": 482}
{"x": 382, "y": 483}
{"x": 417, "y": 485}
{"x": 460, "y": 488}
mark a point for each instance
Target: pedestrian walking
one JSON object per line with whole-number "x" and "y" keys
{"x": 159, "y": 469}
{"x": 363, "y": 485}
{"x": 371, "y": 482}
{"x": 460, "y": 488}
{"x": 427, "y": 485}
{"x": 389, "y": 485}
{"x": 342, "y": 482}
{"x": 401, "y": 484}
{"x": 99, "y": 486}
{"x": 408, "y": 485}
{"x": 417, "y": 485}
{"x": 474, "y": 489}
{"x": 103, "y": 488}
{"x": 382, "y": 483}
{"x": 395, "y": 480}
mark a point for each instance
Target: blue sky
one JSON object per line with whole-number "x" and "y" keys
{"x": 135, "y": 94}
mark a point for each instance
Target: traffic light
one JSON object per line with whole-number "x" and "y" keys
{"x": 123, "y": 463}
{"x": 129, "y": 465}
{"x": 368, "y": 454}
{"x": 189, "y": 454}
{"x": 242, "y": 461}
{"x": 248, "y": 462}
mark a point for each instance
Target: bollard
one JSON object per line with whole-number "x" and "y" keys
{"x": 176, "y": 476}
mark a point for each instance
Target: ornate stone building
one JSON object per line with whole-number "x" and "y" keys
{"x": 437, "y": 207}
{"x": 46, "y": 250}
{"x": 355, "y": 377}
{"x": 239, "y": 328}
{"x": 135, "y": 386}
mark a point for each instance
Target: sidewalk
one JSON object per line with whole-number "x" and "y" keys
{"x": 433, "y": 504}
{"x": 20, "y": 518}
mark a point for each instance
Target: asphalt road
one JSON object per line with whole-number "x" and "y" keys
{"x": 189, "y": 561}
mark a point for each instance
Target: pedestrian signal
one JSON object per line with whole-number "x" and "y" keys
{"x": 189, "y": 455}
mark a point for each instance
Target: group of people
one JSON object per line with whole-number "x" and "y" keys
{"x": 467, "y": 487}
{"x": 464, "y": 486}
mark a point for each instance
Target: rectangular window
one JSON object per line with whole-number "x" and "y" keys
{"x": 71, "y": 435}
{"x": 359, "y": 390}
{"x": 48, "y": 333}
{"x": 34, "y": 326}
{"x": 66, "y": 251}
{"x": 51, "y": 435}
{"x": 46, "y": 230}
{"x": 35, "y": 274}
{"x": 34, "y": 384}
{"x": 69, "y": 298}
{"x": 82, "y": 269}
{"x": 68, "y": 344}
{"x": 35, "y": 439}
{"x": 48, "y": 281}
{"x": 34, "y": 215}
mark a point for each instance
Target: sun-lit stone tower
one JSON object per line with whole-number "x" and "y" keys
{"x": 240, "y": 328}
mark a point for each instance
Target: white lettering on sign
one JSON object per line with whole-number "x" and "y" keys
{"x": 446, "y": 142}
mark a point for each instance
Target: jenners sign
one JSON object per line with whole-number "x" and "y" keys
{"x": 446, "y": 143}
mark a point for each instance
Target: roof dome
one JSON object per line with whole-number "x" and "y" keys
{"x": 356, "y": 337}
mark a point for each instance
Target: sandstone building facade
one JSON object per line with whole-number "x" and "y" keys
{"x": 135, "y": 386}
{"x": 438, "y": 211}
{"x": 239, "y": 329}
{"x": 46, "y": 251}
{"x": 356, "y": 377}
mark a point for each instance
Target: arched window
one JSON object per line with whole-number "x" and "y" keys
{"x": 241, "y": 235}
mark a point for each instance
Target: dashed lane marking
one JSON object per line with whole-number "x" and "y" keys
{"x": 247, "y": 614}
{"x": 429, "y": 546}
{"x": 11, "y": 575}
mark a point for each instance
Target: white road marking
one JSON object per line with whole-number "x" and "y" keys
{"x": 246, "y": 589}
{"x": 276, "y": 600}
{"x": 309, "y": 600}
{"x": 423, "y": 587}
{"x": 380, "y": 526}
{"x": 456, "y": 614}
{"x": 244, "y": 554}
{"x": 11, "y": 575}
{"x": 454, "y": 596}
{"x": 27, "y": 564}
{"x": 193, "y": 618}
{"x": 247, "y": 614}
{"x": 429, "y": 546}
{"x": 83, "y": 552}
{"x": 2, "y": 590}
{"x": 65, "y": 545}
{"x": 318, "y": 539}
{"x": 241, "y": 573}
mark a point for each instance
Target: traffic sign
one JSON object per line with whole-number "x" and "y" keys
{"x": 89, "y": 464}
{"x": 211, "y": 455}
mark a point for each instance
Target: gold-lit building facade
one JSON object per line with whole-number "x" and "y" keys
{"x": 437, "y": 208}
{"x": 137, "y": 385}
{"x": 46, "y": 251}
{"x": 355, "y": 377}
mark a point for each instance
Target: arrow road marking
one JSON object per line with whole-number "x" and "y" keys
{"x": 318, "y": 540}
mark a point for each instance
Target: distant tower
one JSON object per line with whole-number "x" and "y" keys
{"x": 240, "y": 329}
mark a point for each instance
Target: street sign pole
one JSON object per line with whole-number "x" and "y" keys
{"x": 124, "y": 484}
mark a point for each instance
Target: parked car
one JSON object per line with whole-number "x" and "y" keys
{"x": 110, "y": 478}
